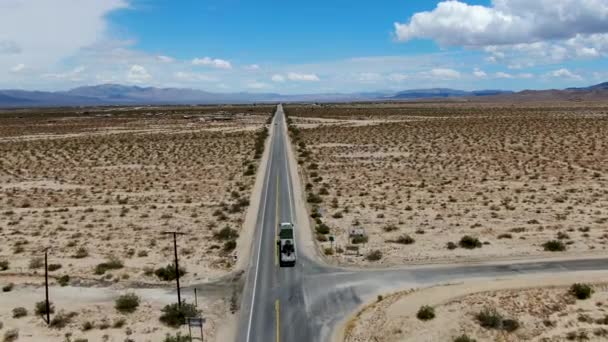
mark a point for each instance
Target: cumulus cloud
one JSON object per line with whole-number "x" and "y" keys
{"x": 554, "y": 29}
{"x": 165, "y": 59}
{"x": 294, "y": 76}
{"x": 74, "y": 75}
{"x": 18, "y": 68}
{"x": 40, "y": 33}
{"x": 212, "y": 62}
{"x": 257, "y": 85}
{"x": 278, "y": 78}
{"x": 565, "y": 73}
{"x": 193, "y": 77}
{"x": 369, "y": 77}
{"x": 444, "y": 74}
{"x": 479, "y": 73}
{"x": 501, "y": 74}
{"x": 138, "y": 74}
{"x": 398, "y": 77}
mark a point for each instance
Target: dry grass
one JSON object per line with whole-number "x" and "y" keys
{"x": 104, "y": 183}
{"x": 513, "y": 177}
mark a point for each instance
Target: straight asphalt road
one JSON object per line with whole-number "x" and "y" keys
{"x": 306, "y": 302}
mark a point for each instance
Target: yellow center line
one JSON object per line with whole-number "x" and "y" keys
{"x": 277, "y": 310}
{"x": 276, "y": 224}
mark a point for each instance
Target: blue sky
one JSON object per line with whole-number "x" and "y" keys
{"x": 304, "y": 47}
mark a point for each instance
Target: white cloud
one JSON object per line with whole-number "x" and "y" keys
{"x": 73, "y": 75}
{"x": 538, "y": 30}
{"x": 369, "y": 77}
{"x": 40, "y": 33}
{"x": 397, "y": 77}
{"x": 18, "y": 68}
{"x": 212, "y": 62}
{"x": 278, "y": 78}
{"x": 257, "y": 85}
{"x": 506, "y": 22}
{"x": 193, "y": 77}
{"x": 294, "y": 76}
{"x": 501, "y": 74}
{"x": 138, "y": 74}
{"x": 479, "y": 73}
{"x": 165, "y": 59}
{"x": 565, "y": 73}
{"x": 444, "y": 74}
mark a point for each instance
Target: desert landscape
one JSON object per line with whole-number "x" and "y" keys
{"x": 533, "y": 308}
{"x": 406, "y": 183}
{"x": 98, "y": 187}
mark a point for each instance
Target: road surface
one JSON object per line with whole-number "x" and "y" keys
{"x": 306, "y": 302}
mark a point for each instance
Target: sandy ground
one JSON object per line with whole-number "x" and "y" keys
{"x": 96, "y": 305}
{"x": 545, "y": 313}
{"x": 97, "y": 189}
{"x": 415, "y": 179}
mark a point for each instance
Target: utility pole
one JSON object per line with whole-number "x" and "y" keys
{"x": 46, "y": 286}
{"x": 179, "y": 295}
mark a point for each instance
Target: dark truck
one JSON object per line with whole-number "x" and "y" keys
{"x": 286, "y": 244}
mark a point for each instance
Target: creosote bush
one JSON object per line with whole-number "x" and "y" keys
{"x": 374, "y": 255}
{"x": 491, "y": 319}
{"x": 426, "y": 313}
{"x": 167, "y": 273}
{"x": 226, "y": 233}
{"x": 464, "y": 338}
{"x": 581, "y": 291}
{"x": 174, "y": 315}
{"x": 127, "y": 303}
{"x": 177, "y": 338}
{"x": 112, "y": 264}
{"x": 19, "y": 312}
{"x": 40, "y": 308}
{"x": 469, "y": 242}
{"x": 554, "y": 246}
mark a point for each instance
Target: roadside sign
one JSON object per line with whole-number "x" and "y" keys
{"x": 196, "y": 322}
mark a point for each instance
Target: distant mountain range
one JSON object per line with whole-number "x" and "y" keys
{"x": 116, "y": 94}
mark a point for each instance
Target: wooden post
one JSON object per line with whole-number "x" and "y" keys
{"x": 179, "y": 294}
{"x": 46, "y": 287}
{"x": 195, "y": 298}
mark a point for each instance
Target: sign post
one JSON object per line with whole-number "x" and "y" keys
{"x": 196, "y": 322}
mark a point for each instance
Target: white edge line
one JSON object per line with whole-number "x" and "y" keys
{"x": 257, "y": 263}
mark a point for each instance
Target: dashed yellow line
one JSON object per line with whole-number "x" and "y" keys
{"x": 277, "y": 310}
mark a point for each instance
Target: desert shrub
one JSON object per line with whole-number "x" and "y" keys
{"x": 81, "y": 253}
{"x": 167, "y": 273}
{"x": 581, "y": 291}
{"x": 19, "y": 312}
{"x": 374, "y": 255}
{"x": 40, "y": 308}
{"x": 8, "y": 287}
{"x": 229, "y": 245}
{"x": 86, "y": 326}
{"x": 64, "y": 280}
{"x": 11, "y": 335}
{"x": 36, "y": 263}
{"x": 226, "y": 233}
{"x": 127, "y": 303}
{"x": 337, "y": 215}
{"x": 505, "y": 236}
{"x": 112, "y": 264}
{"x": 4, "y": 265}
{"x": 554, "y": 246}
{"x": 119, "y": 323}
{"x": 405, "y": 240}
{"x": 174, "y": 315}
{"x": 489, "y": 318}
{"x": 322, "y": 228}
{"x": 451, "y": 246}
{"x": 314, "y": 198}
{"x": 321, "y": 238}
{"x": 61, "y": 319}
{"x": 54, "y": 267}
{"x": 177, "y": 338}
{"x": 510, "y": 325}
{"x": 426, "y": 313}
{"x": 359, "y": 239}
{"x": 469, "y": 242}
{"x": 464, "y": 338}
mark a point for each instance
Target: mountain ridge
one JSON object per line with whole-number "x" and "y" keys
{"x": 118, "y": 94}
